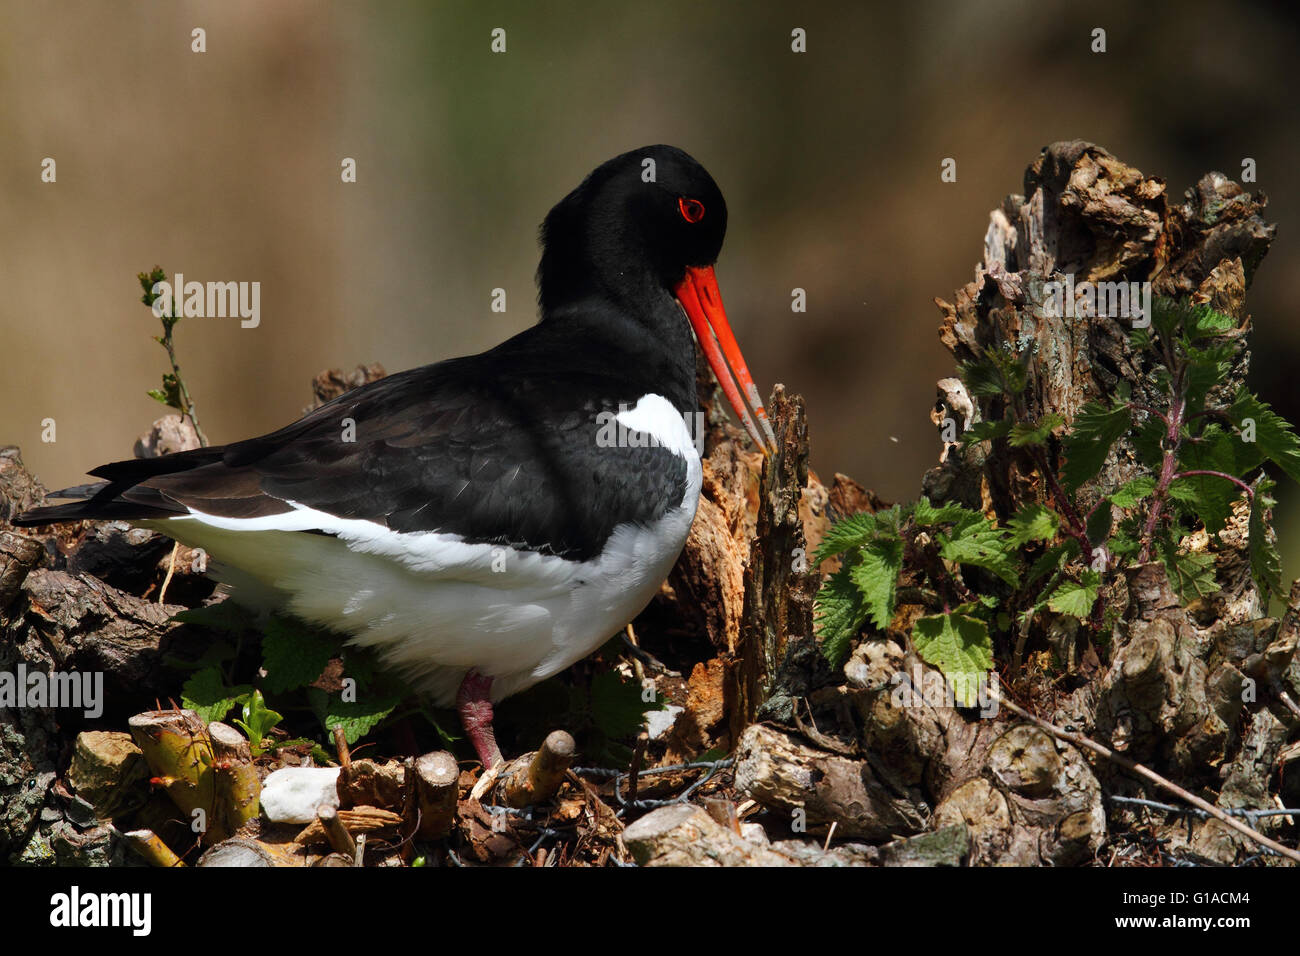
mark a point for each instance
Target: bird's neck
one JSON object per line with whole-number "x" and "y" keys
{"x": 647, "y": 338}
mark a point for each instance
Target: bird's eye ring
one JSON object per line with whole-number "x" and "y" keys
{"x": 692, "y": 209}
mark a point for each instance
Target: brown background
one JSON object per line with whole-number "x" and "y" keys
{"x": 225, "y": 166}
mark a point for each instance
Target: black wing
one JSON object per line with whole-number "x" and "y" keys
{"x": 500, "y": 447}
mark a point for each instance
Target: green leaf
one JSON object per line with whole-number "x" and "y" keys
{"x": 1191, "y": 575}
{"x": 984, "y": 431}
{"x": 1274, "y": 438}
{"x": 1202, "y": 321}
{"x": 890, "y": 521}
{"x": 207, "y": 695}
{"x": 960, "y": 647}
{"x": 1132, "y": 493}
{"x": 1206, "y": 368}
{"x": 839, "y": 612}
{"x": 1034, "y": 523}
{"x": 876, "y": 575}
{"x": 1205, "y": 497}
{"x": 924, "y": 513}
{"x": 1147, "y": 441}
{"x": 258, "y": 721}
{"x": 1099, "y": 523}
{"x": 226, "y": 616}
{"x": 294, "y": 654}
{"x": 1053, "y": 559}
{"x": 617, "y": 706}
{"x": 1096, "y": 429}
{"x": 1265, "y": 562}
{"x": 987, "y": 548}
{"x": 1076, "y": 598}
{"x": 1168, "y": 316}
{"x": 982, "y": 377}
{"x": 358, "y": 718}
{"x": 851, "y": 532}
{"x": 169, "y": 394}
{"x": 1024, "y": 433}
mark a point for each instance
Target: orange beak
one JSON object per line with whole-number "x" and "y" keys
{"x": 700, "y": 299}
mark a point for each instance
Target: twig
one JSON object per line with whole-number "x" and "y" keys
{"x": 187, "y": 403}
{"x": 149, "y": 846}
{"x": 1081, "y": 741}
{"x": 634, "y": 770}
{"x": 337, "y": 834}
{"x": 171, "y": 569}
{"x": 341, "y": 746}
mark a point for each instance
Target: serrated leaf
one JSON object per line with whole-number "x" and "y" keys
{"x": 1191, "y": 575}
{"x": 850, "y": 532}
{"x": 294, "y": 654}
{"x": 988, "y": 548}
{"x": 890, "y": 520}
{"x": 357, "y": 718}
{"x": 1265, "y": 562}
{"x": 839, "y": 612}
{"x": 1076, "y": 598}
{"x": 207, "y": 695}
{"x": 981, "y": 377}
{"x": 1203, "y": 321}
{"x": 984, "y": 431}
{"x": 1052, "y": 559}
{"x": 226, "y": 616}
{"x": 1146, "y": 439}
{"x": 875, "y": 573}
{"x": 1274, "y": 437}
{"x": 1131, "y": 493}
{"x": 1205, "y": 497}
{"x": 1034, "y": 523}
{"x": 960, "y": 647}
{"x": 924, "y": 513}
{"x": 1096, "y": 429}
{"x": 1206, "y": 368}
{"x": 1024, "y": 433}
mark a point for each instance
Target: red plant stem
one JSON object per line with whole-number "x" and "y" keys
{"x": 1250, "y": 492}
{"x": 1167, "y": 473}
{"x": 1154, "y": 413}
{"x": 1078, "y": 529}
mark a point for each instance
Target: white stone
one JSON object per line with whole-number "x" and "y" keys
{"x": 659, "y": 722}
{"x": 292, "y": 794}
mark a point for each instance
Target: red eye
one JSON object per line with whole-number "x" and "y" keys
{"x": 692, "y": 209}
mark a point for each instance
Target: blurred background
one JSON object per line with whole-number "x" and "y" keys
{"x": 225, "y": 165}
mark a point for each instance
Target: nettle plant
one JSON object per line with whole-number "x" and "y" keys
{"x": 1199, "y": 451}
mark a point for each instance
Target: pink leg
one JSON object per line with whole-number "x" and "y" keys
{"x": 474, "y": 705}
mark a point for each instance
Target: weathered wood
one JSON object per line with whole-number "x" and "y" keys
{"x": 786, "y": 776}
{"x": 536, "y": 778}
{"x": 433, "y": 781}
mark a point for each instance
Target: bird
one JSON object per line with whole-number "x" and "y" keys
{"x": 486, "y": 521}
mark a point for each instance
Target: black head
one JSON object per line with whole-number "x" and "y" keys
{"x": 631, "y": 229}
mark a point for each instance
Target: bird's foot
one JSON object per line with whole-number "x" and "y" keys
{"x": 474, "y": 704}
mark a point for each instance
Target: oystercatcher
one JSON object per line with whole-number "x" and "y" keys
{"x": 478, "y": 522}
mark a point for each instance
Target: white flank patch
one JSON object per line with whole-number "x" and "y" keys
{"x": 655, "y": 416}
